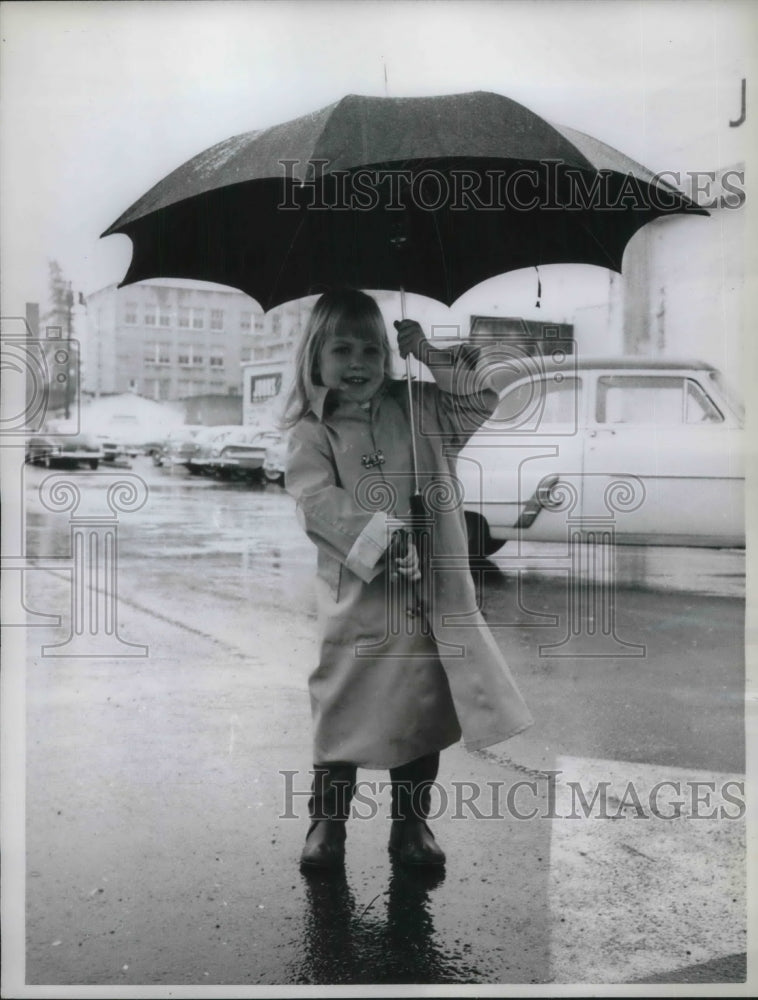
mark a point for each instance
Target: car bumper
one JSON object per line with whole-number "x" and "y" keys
{"x": 250, "y": 463}
{"x": 79, "y": 456}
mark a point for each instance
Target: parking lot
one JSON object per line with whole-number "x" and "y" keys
{"x": 154, "y": 849}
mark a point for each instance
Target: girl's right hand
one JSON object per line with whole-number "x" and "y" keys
{"x": 408, "y": 565}
{"x": 403, "y": 558}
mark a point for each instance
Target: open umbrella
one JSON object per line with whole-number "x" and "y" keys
{"x": 429, "y": 195}
{"x": 472, "y": 185}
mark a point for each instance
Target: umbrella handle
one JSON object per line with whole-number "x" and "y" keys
{"x": 414, "y": 455}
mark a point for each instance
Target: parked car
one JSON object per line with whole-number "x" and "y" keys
{"x": 126, "y": 433}
{"x": 153, "y": 448}
{"x": 40, "y": 449}
{"x": 651, "y": 450}
{"x": 115, "y": 452}
{"x": 200, "y": 460}
{"x": 240, "y": 455}
{"x": 176, "y": 446}
{"x": 65, "y": 450}
{"x": 274, "y": 461}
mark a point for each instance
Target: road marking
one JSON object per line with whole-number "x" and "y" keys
{"x": 632, "y": 897}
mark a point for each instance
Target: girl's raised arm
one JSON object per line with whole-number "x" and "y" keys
{"x": 462, "y": 393}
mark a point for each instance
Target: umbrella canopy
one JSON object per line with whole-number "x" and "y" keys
{"x": 432, "y": 195}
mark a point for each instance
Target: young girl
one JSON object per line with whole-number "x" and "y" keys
{"x": 390, "y": 691}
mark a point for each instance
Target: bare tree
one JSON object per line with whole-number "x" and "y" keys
{"x": 61, "y": 304}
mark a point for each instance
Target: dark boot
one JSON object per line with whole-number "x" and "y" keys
{"x": 329, "y": 807}
{"x": 411, "y": 840}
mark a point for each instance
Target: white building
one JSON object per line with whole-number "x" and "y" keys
{"x": 170, "y": 339}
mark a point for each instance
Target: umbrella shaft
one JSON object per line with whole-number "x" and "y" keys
{"x": 413, "y": 427}
{"x": 410, "y": 402}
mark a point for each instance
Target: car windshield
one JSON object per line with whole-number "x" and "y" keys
{"x": 731, "y": 396}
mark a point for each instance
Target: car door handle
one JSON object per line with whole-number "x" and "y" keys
{"x": 594, "y": 434}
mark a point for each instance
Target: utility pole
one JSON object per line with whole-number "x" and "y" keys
{"x": 69, "y": 312}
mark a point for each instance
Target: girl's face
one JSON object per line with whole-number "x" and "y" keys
{"x": 353, "y": 364}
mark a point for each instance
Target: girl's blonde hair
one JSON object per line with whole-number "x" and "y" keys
{"x": 340, "y": 311}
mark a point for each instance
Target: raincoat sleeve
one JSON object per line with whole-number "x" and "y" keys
{"x": 328, "y": 513}
{"x": 463, "y": 396}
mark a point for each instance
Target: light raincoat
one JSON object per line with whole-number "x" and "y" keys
{"x": 389, "y": 688}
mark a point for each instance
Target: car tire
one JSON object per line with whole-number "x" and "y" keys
{"x": 93, "y": 463}
{"x": 47, "y": 462}
{"x": 480, "y": 541}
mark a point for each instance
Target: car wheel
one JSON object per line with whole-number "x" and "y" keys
{"x": 273, "y": 477}
{"x": 480, "y": 541}
{"x": 93, "y": 463}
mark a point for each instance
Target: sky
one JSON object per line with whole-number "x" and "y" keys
{"x": 102, "y": 99}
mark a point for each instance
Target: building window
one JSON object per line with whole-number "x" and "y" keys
{"x": 245, "y": 320}
{"x": 216, "y": 361}
{"x": 184, "y": 316}
{"x": 184, "y": 386}
{"x": 197, "y": 359}
{"x": 130, "y": 313}
{"x": 198, "y": 319}
{"x": 276, "y": 325}
{"x": 259, "y": 323}
{"x": 217, "y": 319}
{"x": 164, "y": 318}
{"x": 157, "y": 354}
{"x": 150, "y": 316}
{"x": 183, "y": 357}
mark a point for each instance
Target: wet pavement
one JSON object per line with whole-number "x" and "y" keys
{"x": 155, "y": 849}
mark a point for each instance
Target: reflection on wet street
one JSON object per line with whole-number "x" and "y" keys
{"x": 228, "y": 536}
{"x": 392, "y": 939}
